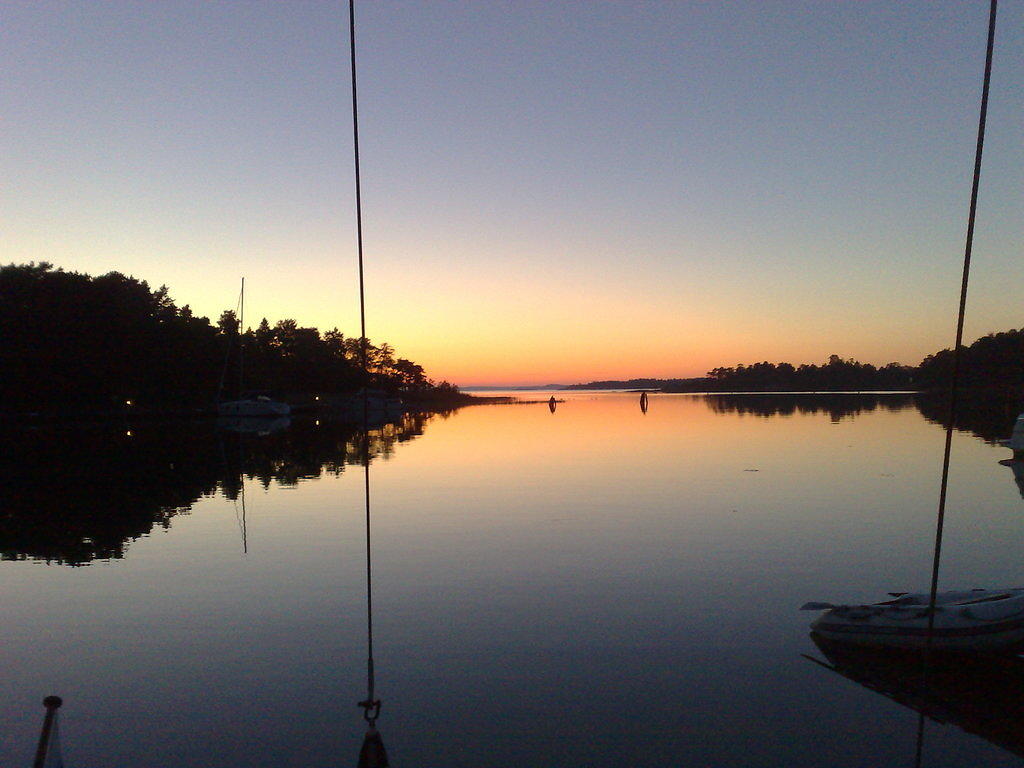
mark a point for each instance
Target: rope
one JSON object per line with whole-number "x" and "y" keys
{"x": 359, "y": 197}
{"x": 957, "y": 355}
{"x": 958, "y": 346}
{"x": 371, "y": 706}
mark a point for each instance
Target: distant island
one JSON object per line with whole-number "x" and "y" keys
{"x": 993, "y": 364}
{"x": 73, "y": 343}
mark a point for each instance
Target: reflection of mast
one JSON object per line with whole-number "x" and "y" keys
{"x": 241, "y": 477}
{"x": 245, "y": 542}
{"x": 241, "y": 493}
{"x": 372, "y": 753}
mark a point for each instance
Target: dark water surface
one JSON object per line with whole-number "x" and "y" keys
{"x": 589, "y": 587}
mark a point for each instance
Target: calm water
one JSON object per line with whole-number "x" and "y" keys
{"x": 592, "y": 587}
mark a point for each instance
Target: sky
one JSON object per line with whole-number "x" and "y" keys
{"x": 552, "y": 191}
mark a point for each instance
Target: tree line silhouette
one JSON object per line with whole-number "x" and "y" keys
{"x": 993, "y": 365}
{"x": 71, "y": 341}
{"x": 835, "y": 375}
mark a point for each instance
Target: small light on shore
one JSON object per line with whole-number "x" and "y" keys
{"x": 317, "y": 397}
{"x": 127, "y": 402}
{"x": 128, "y": 433}
{"x": 317, "y": 423}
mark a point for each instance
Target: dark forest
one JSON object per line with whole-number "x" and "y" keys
{"x": 74, "y": 342}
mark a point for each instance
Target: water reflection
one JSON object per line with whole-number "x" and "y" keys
{"x": 1017, "y": 467}
{"x": 253, "y": 425}
{"x": 838, "y": 406}
{"x": 531, "y": 564}
{"x": 982, "y": 694}
{"x": 988, "y": 416}
{"x": 72, "y": 496}
{"x": 77, "y": 495}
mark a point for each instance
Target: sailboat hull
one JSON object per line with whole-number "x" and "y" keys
{"x": 256, "y": 408}
{"x": 977, "y": 620}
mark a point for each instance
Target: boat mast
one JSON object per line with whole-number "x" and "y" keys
{"x": 241, "y": 338}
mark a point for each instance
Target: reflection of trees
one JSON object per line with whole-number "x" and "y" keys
{"x": 309, "y": 449}
{"x": 1017, "y": 467}
{"x": 837, "y": 406}
{"x": 989, "y": 415}
{"x": 75, "y": 495}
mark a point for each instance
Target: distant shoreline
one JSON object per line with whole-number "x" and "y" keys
{"x": 993, "y": 364}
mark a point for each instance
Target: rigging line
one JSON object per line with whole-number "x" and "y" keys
{"x": 957, "y": 355}
{"x": 957, "y": 348}
{"x": 370, "y": 705}
{"x": 359, "y": 197}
